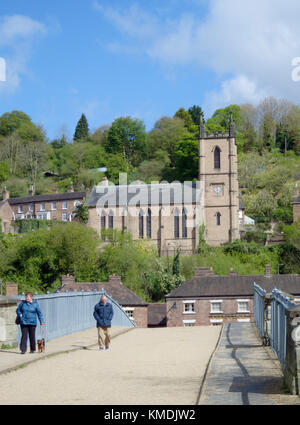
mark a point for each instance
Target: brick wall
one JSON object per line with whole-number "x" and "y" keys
{"x": 140, "y": 316}
{"x": 296, "y": 210}
{"x": 203, "y": 316}
{"x": 11, "y": 289}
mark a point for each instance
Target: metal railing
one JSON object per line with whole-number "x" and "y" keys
{"x": 259, "y": 309}
{"x": 279, "y": 304}
{"x": 68, "y": 312}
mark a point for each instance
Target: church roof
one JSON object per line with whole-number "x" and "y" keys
{"x": 145, "y": 194}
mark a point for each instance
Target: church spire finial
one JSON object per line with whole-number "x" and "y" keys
{"x": 231, "y": 126}
{"x": 201, "y": 128}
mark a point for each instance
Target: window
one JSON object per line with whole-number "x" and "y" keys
{"x": 129, "y": 311}
{"x": 218, "y": 219}
{"x": 103, "y": 225}
{"x": 20, "y": 209}
{"x": 42, "y": 206}
{"x": 189, "y": 307}
{"x": 217, "y": 158}
{"x": 64, "y": 217}
{"x": 188, "y": 323}
{"x": 53, "y": 206}
{"x": 111, "y": 220}
{"x": 149, "y": 224}
{"x": 30, "y": 208}
{"x": 243, "y": 306}
{"x": 76, "y": 203}
{"x": 216, "y": 322}
{"x": 216, "y": 306}
{"x": 43, "y": 216}
{"x": 184, "y": 225}
{"x": 64, "y": 205}
{"x": 176, "y": 223}
{"x": 141, "y": 224}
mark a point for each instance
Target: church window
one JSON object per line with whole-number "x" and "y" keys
{"x": 176, "y": 223}
{"x": 184, "y": 224}
{"x": 149, "y": 224}
{"x": 217, "y": 158}
{"x": 141, "y": 224}
{"x": 218, "y": 216}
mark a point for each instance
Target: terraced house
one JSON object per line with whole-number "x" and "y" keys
{"x": 51, "y": 206}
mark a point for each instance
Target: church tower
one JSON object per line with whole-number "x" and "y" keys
{"x": 219, "y": 179}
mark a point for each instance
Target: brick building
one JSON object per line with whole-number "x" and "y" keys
{"x": 6, "y": 216}
{"x": 136, "y": 308}
{"x": 207, "y": 299}
{"x": 52, "y": 206}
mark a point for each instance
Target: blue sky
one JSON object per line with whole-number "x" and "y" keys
{"x": 145, "y": 59}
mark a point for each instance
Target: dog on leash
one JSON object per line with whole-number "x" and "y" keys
{"x": 41, "y": 345}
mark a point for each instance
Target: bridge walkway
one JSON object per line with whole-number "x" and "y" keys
{"x": 244, "y": 372}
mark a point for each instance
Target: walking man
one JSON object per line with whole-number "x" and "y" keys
{"x": 103, "y": 313}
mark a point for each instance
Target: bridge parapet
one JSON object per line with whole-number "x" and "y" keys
{"x": 292, "y": 362}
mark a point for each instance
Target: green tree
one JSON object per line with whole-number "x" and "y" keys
{"x": 127, "y": 136}
{"x": 196, "y": 112}
{"x": 82, "y": 129}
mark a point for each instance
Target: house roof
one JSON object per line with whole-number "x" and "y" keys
{"x": 296, "y": 199}
{"x": 47, "y": 197}
{"x": 226, "y": 286}
{"x": 119, "y": 292}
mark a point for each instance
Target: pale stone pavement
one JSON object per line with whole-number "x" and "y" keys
{"x": 163, "y": 366}
{"x": 243, "y": 371}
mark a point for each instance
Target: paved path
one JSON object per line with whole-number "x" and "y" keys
{"x": 163, "y": 366}
{"x": 243, "y": 372}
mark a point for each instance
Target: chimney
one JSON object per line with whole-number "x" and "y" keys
{"x": 67, "y": 280}
{"x": 70, "y": 188}
{"x": 5, "y": 194}
{"x": 114, "y": 278}
{"x": 268, "y": 270}
{"x": 202, "y": 271}
{"x": 104, "y": 181}
{"x": 211, "y": 272}
{"x": 296, "y": 191}
{"x": 31, "y": 190}
{"x": 232, "y": 272}
{"x": 54, "y": 189}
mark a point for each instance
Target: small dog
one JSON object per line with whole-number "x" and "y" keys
{"x": 41, "y": 345}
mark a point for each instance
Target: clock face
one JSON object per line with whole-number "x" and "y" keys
{"x": 217, "y": 190}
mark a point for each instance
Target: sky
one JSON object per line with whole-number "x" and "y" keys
{"x": 144, "y": 59}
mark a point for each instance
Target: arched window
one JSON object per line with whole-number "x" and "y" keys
{"x": 218, "y": 218}
{"x": 141, "y": 224}
{"x": 111, "y": 220}
{"x": 149, "y": 224}
{"x": 103, "y": 224}
{"x": 176, "y": 223}
{"x": 184, "y": 224}
{"x": 217, "y": 158}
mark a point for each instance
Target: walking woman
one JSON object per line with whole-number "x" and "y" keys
{"x": 27, "y": 312}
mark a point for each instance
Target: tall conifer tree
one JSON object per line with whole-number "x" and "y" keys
{"x": 82, "y": 129}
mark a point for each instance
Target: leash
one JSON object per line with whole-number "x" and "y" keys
{"x": 43, "y": 329}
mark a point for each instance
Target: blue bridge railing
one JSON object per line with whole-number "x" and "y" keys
{"x": 259, "y": 309}
{"x": 68, "y": 312}
{"x": 279, "y": 304}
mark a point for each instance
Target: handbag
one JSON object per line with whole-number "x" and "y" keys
{"x": 18, "y": 320}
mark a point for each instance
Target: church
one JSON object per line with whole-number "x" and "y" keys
{"x": 174, "y": 216}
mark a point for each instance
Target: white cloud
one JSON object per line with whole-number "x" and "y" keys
{"x": 17, "y": 34}
{"x": 248, "y": 44}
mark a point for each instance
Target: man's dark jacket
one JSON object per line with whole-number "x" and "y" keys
{"x": 103, "y": 314}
